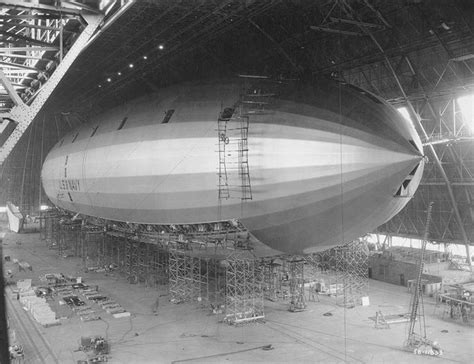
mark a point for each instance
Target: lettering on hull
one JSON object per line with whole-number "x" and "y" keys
{"x": 69, "y": 185}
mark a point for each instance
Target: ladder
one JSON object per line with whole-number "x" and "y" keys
{"x": 234, "y": 175}
{"x": 413, "y": 338}
{"x": 233, "y": 132}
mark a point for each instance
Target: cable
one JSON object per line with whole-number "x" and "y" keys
{"x": 342, "y": 195}
{"x": 24, "y": 168}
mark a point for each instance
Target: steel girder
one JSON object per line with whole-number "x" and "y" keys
{"x": 22, "y": 113}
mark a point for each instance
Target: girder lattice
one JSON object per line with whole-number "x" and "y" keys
{"x": 342, "y": 272}
{"x": 25, "y": 109}
{"x": 188, "y": 277}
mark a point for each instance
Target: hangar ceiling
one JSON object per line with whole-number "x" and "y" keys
{"x": 419, "y": 51}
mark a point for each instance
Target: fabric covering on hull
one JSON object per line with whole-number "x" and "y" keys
{"x": 321, "y": 171}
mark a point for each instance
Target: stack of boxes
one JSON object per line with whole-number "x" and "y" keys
{"x": 38, "y": 306}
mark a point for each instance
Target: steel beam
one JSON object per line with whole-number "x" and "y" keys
{"x": 18, "y": 65}
{"x": 279, "y": 47}
{"x": 50, "y": 47}
{"x": 28, "y": 25}
{"x": 448, "y": 140}
{"x": 33, "y": 16}
{"x": 417, "y": 118}
{"x": 77, "y": 4}
{"x": 337, "y": 31}
{"x": 24, "y": 114}
{"x": 15, "y": 4}
{"x": 7, "y": 85}
{"x": 7, "y": 34}
{"x": 354, "y": 22}
{"x": 13, "y": 55}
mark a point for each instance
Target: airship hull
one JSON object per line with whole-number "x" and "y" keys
{"x": 315, "y": 177}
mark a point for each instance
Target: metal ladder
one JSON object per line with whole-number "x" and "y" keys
{"x": 234, "y": 174}
{"x": 413, "y": 338}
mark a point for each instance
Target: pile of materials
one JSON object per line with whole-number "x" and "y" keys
{"x": 39, "y": 308}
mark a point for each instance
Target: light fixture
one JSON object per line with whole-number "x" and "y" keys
{"x": 161, "y": 46}
{"x": 100, "y": 85}
{"x": 119, "y": 73}
{"x": 130, "y": 65}
{"x": 145, "y": 57}
{"x": 109, "y": 79}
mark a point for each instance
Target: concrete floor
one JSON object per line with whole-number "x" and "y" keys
{"x": 189, "y": 333}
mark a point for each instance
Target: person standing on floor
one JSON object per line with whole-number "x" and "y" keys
{"x": 155, "y": 307}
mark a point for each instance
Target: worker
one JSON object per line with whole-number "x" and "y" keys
{"x": 312, "y": 292}
{"x": 155, "y": 308}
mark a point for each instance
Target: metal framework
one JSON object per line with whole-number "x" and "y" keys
{"x": 234, "y": 176}
{"x": 244, "y": 290}
{"x": 89, "y": 243}
{"x": 49, "y": 226}
{"x": 272, "y": 277}
{"x": 297, "y": 297}
{"x": 22, "y": 109}
{"x": 417, "y": 312}
{"x": 352, "y": 267}
{"x": 188, "y": 277}
{"x": 449, "y": 134}
{"x": 399, "y": 74}
{"x": 69, "y": 237}
{"x": 342, "y": 272}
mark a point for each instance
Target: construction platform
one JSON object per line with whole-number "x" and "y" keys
{"x": 192, "y": 332}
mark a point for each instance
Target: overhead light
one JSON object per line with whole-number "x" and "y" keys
{"x": 130, "y": 65}
{"x": 145, "y": 57}
{"x": 445, "y": 26}
{"x": 119, "y": 73}
{"x": 100, "y": 85}
{"x": 161, "y": 46}
{"x": 466, "y": 103}
{"x": 109, "y": 80}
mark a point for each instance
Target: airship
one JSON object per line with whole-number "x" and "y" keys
{"x": 304, "y": 166}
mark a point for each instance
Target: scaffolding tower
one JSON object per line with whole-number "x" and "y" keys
{"x": 188, "y": 277}
{"x": 296, "y": 280}
{"x": 341, "y": 272}
{"x": 89, "y": 244}
{"x": 271, "y": 280}
{"x": 321, "y": 271}
{"x": 352, "y": 267}
{"x": 244, "y": 290}
{"x": 49, "y": 227}
{"x": 69, "y": 235}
